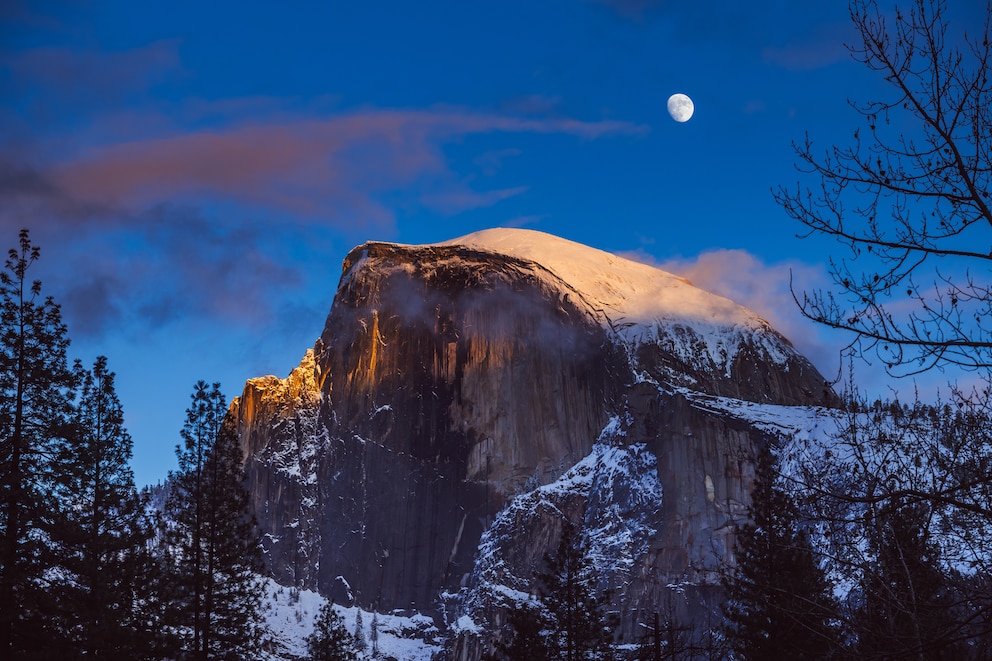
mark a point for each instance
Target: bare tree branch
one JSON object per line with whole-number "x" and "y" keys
{"x": 912, "y": 206}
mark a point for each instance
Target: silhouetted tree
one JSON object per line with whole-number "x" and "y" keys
{"x": 35, "y": 387}
{"x": 233, "y": 554}
{"x": 102, "y": 534}
{"x": 910, "y": 198}
{"x": 666, "y": 638}
{"x": 779, "y": 603}
{"x": 907, "y": 610}
{"x": 529, "y": 628}
{"x": 901, "y": 496}
{"x": 580, "y": 627}
{"x": 330, "y": 640}
{"x": 211, "y": 546}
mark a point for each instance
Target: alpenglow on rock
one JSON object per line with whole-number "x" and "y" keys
{"x": 467, "y": 397}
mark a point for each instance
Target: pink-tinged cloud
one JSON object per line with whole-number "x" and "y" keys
{"x": 453, "y": 202}
{"x": 331, "y": 168}
{"x": 764, "y": 289}
{"x": 188, "y": 214}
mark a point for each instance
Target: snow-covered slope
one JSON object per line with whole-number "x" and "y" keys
{"x": 624, "y": 290}
{"x": 290, "y": 614}
{"x": 635, "y": 299}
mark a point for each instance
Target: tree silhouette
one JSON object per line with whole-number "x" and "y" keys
{"x": 35, "y": 386}
{"x": 579, "y": 625}
{"x": 907, "y": 601}
{"x": 102, "y": 532}
{"x": 909, "y": 198}
{"x": 211, "y": 546}
{"x": 529, "y": 627}
{"x": 778, "y": 602}
{"x": 902, "y": 501}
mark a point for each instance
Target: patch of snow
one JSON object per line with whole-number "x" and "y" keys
{"x": 290, "y": 614}
{"x": 466, "y": 624}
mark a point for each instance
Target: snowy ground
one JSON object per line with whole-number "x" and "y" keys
{"x": 290, "y": 615}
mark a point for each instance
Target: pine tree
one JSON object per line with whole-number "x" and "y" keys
{"x": 330, "y": 640}
{"x": 908, "y": 606}
{"x": 232, "y": 602}
{"x": 580, "y": 627}
{"x": 185, "y": 515}
{"x": 35, "y": 386}
{"x": 374, "y": 634}
{"x": 360, "y": 643}
{"x": 529, "y": 626}
{"x": 778, "y": 601}
{"x": 211, "y": 547}
{"x": 103, "y": 531}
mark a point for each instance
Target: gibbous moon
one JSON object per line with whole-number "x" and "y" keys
{"x": 680, "y": 107}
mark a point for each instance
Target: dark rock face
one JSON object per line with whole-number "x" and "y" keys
{"x": 659, "y": 500}
{"x": 446, "y": 381}
{"x": 459, "y": 356}
{"x": 460, "y": 404}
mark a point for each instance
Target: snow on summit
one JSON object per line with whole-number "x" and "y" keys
{"x": 627, "y": 291}
{"x": 636, "y": 299}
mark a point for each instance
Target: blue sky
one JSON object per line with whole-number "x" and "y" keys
{"x": 196, "y": 172}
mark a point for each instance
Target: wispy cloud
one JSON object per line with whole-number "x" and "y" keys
{"x": 153, "y": 208}
{"x": 98, "y": 72}
{"x": 178, "y": 210}
{"x": 330, "y": 167}
{"x": 795, "y": 36}
{"x": 764, "y": 289}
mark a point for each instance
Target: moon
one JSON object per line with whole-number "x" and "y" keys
{"x": 680, "y": 107}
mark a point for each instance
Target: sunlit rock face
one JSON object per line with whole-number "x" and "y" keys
{"x": 464, "y": 399}
{"x": 281, "y": 436}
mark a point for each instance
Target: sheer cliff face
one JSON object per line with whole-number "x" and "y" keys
{"x": 463, "y": 398}
{"x": 446, "y": 354}
{"x": 448, "y": 379}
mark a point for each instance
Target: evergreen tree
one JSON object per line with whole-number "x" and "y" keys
{"x": 211, "y": 547}
{"x": 908, "y": 605}
{"x": 330, "y": 640}
{"x": 579, "y": 625}
{"x": 905, "y": 509}
{"x": 185, "y": 516}
{"x": 779, "y": 603}
{"x": 374, "y": 634}
{"x": 529, "y": 627}
{"x": 103, "y": 531}
{"x": 232, "y": 603}
{"x": 360, "y": 643}
{"x": 35, "y": 386}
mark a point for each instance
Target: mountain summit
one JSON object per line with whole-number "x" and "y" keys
{"x": 466, "y": 399}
